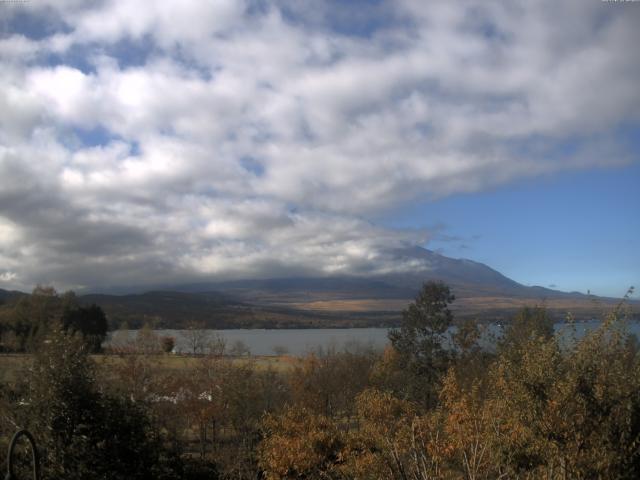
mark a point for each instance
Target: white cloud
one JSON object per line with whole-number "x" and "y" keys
{"x": 257, "y": 141}
{"x": 7, "y": 276}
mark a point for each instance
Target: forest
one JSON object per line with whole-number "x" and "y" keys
{"x": 534, "y": 405}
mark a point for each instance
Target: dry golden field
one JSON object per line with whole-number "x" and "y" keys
{"x": 11, "y": 365}
{"x": 353, "y": 305}
{"x": 585, "y": 307}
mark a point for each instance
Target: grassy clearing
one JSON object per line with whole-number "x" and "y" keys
{"x": 477, "y": 307}
{"x": 348, "y": 305}
{"x": 11, "y": 365}
{"x": 186, "y": 362}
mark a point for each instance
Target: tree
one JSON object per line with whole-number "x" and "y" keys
{"x": 239, "y": 349}
{"x": 327, "y": 382}
{"x": 29, "y": 319}
{"x": 217, "y": 345}
{"x": 280, "y": 350}
{"x": 528, "y": 323}
{"x": 420, "y": 339}
{"x": 167, "y": 344}
{"x": 85, "y": 432}
{"x": 471, "y": 360}
{"x": 570, "y": 411}
{"x": 300, "y": 444}
{"x": 466, "y": 337}
{"x": 196, "y": 337}
{"x": 147, "y": 340}
{"x": 90, "y": 322}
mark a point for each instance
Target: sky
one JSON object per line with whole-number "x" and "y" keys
{"x": 148, "y": 143}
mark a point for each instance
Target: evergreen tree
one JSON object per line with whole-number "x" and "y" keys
{"x": 90, "y": 322}
{"x": 421, "y": 337}
{"x": 85, "y": 432}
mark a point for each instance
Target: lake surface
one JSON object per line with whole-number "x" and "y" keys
{"x": 301, "y": 341}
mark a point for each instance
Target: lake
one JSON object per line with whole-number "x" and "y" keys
{"x": 301, "y": 341}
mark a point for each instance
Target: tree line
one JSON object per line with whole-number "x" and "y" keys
{"x": 433, "y": 405}
{"x": 26, "y": 322}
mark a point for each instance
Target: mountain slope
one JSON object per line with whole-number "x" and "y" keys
{"x": 7, "y": 295}
{"x": 466, "y": 278}
{"x": 172, "y": 309}
{"x": 454, "y": 272}
{"x": 338, "y": 301}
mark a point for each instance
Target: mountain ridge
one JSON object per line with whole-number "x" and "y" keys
{"x": 335, "y": 301}
{"x": 456, "y": 272}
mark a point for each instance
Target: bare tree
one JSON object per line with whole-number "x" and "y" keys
{"x": 239, "y": 349}
{"x": 217, "y": 345}
{"x": 280, "y": 350}
{"x": 147, "y": 341}
{"x": 197, "y": 337}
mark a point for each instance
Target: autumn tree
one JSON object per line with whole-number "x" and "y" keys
{"x": 300, "y": 444}
{"x": 473, "y": 428}
{"x": 528, "y": 323}
{"x": 392, "y": 442}
{"x": 572, "y": 410}
{"x": 167, "y": 344}
{"x": 147, "y": 341}
{"x": 471, "y": 360}
{"x": 328, "y": 381}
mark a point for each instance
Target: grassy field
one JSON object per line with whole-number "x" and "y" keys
{"x": 475, "y": 307}
{"x": 353, "y": 305}
{"x": 12, "y": 365}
